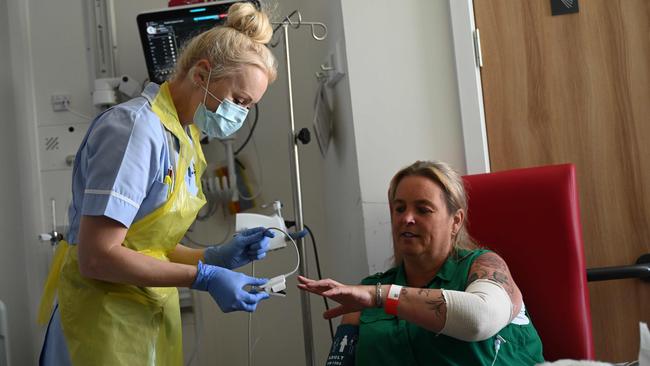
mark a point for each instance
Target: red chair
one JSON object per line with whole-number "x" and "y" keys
{"x": 531, "y": 218}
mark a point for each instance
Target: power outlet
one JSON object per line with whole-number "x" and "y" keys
{"x": 60, "y": 102}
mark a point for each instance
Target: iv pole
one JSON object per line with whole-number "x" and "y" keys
{"x": 295, "y": 174}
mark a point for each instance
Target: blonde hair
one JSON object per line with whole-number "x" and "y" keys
{"x": 453, "y": 192}
{"x": 240, "y": 41}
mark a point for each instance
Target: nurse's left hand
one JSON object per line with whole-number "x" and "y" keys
{"x": 227, "y": 288}
{"x": 247, "y": 246}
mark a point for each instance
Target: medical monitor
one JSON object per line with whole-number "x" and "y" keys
{"x": 163, "y": 33}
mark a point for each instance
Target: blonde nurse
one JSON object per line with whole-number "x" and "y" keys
{"x": 136, "y": 191}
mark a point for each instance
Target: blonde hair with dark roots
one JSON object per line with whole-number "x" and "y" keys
{"x": 240, "y": 41}
{"x": 453, "y": 193}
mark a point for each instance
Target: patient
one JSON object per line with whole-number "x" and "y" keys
{"x": 445, "y": 302}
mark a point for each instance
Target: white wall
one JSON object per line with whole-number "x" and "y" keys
{"x": 13, "y": 283}
{"x": 17, "y": 273}
{"x": 404, "y": 100}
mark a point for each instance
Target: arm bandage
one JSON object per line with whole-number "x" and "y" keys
{"x": 477, "y": 313}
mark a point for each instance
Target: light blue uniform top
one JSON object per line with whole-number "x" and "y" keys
{"x": 118, "y": 173}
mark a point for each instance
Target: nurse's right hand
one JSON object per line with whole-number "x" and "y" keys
{"x": 227, "y": 288}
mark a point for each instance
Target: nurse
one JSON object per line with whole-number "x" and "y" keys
{"x": 135, "y": 193}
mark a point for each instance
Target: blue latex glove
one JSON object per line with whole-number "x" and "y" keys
{"x": 247, "y": 246}
{"x": 227, "y": 288}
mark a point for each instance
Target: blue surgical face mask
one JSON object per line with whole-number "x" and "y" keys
{"x": 226, "y": 120}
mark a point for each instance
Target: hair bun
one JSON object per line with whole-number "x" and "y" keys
{"x": 245, "y": 18}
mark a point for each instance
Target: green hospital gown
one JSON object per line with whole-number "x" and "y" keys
{"x": 388, "y": 340}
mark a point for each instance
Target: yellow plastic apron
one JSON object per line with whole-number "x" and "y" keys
{"x": 115, "y": 324}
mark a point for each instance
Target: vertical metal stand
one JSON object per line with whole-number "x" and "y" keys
{"x": 308, "y": 336}
{"x": 307, "y": 330}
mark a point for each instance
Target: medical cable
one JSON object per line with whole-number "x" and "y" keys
{"x": 250, "y": 346}
{"x": 250, "y": 322}
{"x": 198, "y": 326}
{"x": 66, "y": 105}
{"x": 259, "y": 167}
{"x": 212, "y": 204}
{"x": 257, "y": 156}
{"x": 194, "y": 242}
{"x": 497, "y": 346}
{"x": 250, "y": 315}
{"x": 210, "y": 209}
{"x": 197, "y": 332}
{"x": 294, "y": 245}
{"x": 318, "y": 271}
{"x": 213, "y": 207}
{"x": 320, "y": 276}
{"x": 213, "y": 199}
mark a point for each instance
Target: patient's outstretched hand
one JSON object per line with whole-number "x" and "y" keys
{"x": 351, "y": 298}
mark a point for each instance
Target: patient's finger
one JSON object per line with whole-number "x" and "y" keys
{"x": 309, "y": 289}
{"x": 305, "y": 279}
{"x": 309, "y": 282}
{"x": 325, "y": 284}
{"x": 314, "y": 289}
{"x": 320, "y": 286}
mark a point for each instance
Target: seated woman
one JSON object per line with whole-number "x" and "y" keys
{"x": 445, "y": 302}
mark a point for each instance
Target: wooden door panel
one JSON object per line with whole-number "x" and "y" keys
{"x": 576, "y": 88}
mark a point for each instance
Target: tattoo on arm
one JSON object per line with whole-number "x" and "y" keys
{"x": 476, "y": 275}
{"x": 404, "y": 292}
{"x": 491, "y": 266}
{"x": 423, "y": 291}
{"x": 436, "y": 304}
{"x": 500, "y": 277}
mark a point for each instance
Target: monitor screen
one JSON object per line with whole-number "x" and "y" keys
{"x": 164, "y": 33}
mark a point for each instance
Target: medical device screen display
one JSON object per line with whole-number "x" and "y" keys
{"x": 164, "y": 33}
